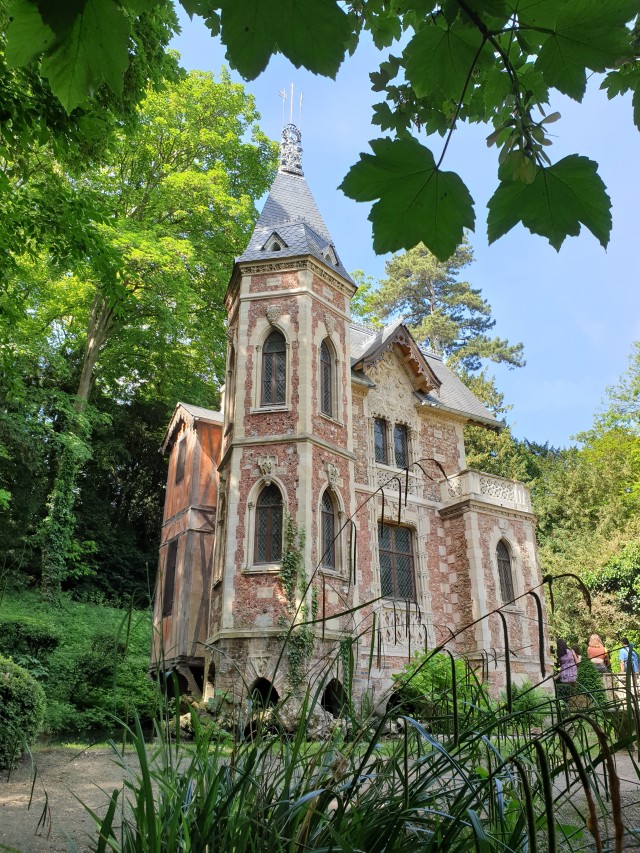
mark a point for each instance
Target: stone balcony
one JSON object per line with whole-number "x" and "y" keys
{"x": 496, "y": 491}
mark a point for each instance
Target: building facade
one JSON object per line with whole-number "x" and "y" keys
{"x": 352, "y": 439}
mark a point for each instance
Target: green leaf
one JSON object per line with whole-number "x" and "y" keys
{"x": 94, "y": 51}
{"x": 438, "y": 59}
{"x": 27, "y": 34}
{"x": 588, "y": 34}
{"x": 310, "y": 33}
{"x": 554, "y": 205}
{"x": 418, "y": 202}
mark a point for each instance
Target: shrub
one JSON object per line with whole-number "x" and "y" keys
{"x": 425, "y": 689}
{"x": 531, "y": 705}
{"x": 589, "y": 682}
{"x": 22, "y": 707}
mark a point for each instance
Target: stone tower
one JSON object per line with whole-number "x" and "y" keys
{"x": 287, "y": 458}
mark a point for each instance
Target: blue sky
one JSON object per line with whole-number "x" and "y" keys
{"x": 576, "y": 311}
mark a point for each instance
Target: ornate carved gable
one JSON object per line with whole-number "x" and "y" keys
{"x": 401, "y": 342}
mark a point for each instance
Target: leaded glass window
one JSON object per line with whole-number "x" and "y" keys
{"x": 504, "y": 572}
{"x": 268, "y": 541}
{"x": 274, "y": 370}
{"x": 380, "y": 440}
{"x": 400, "y": 445}
{"x": 326, "y": 371}
{"x": 328, "y": 532}
{"x": 396, "y": 562}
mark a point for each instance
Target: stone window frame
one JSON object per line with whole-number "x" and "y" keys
{"x": 251, "y": 565}
{"x": 336, "y": 397}
{"x": 339, "y": 532}
{"x": 256, "y": 391}
{"x": 516, "y": 569}
{"x": 230, "y": 389}
{"x": 414, "y": 559}
{"x": 391, "y": 425}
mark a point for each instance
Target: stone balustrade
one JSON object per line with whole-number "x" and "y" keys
{"x": 487, "y": 488}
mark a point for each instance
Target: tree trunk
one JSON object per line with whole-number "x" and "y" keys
{"x": 57, "y": 529}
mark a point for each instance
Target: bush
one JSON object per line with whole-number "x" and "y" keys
{"x": 589, "y": 682}
{"x": 425, "y": 689}
{"x": 92, "y": 661}
{"x": 22, "y": 708}
{"x": 531, "y": 705}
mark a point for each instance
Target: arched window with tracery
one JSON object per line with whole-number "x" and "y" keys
{"x": 505, "y": 572}
{"x": 268, "y": 536}
{"x": 326, "y": 380}
{"x": 274, "y": 370}
{"x": 328, "y": 520}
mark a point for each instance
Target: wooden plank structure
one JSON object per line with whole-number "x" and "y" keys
{"x": 181, "y": 610}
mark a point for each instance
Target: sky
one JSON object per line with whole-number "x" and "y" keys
{"x": 575, "y": 311}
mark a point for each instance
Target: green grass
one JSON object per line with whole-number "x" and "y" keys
{"x": 91, "y": 660}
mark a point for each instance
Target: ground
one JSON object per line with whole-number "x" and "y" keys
{"x": 68, "y": 777}
{"x": 64, "y": 776}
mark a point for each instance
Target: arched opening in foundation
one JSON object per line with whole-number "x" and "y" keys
{"x": 334, "y": 698}
{"x": 264, "y": 694}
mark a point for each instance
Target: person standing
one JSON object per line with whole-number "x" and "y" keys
{"x": 567, "y": 666}
{"x": 597, "y": 653}
{"x": 624, "y": 656}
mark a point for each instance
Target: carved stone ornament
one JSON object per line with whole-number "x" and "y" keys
{"x": 332, "y": 474}
{"x": 329, "y": 323}
{"x": 260, "y": 664}
{"x": 273, "y": 313}
{"x": 266, "y": 466}
{"x": 291, "y": 150}
{"x": 231, "y": 333}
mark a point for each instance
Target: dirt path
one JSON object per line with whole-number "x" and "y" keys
{"x": 60, "y": 774}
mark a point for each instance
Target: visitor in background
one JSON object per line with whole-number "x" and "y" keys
{"x": 576, "y": 653}
{"x": 567, "y": 665}
{"x": 597, "y": 653}
{"x": 623, "y": 654}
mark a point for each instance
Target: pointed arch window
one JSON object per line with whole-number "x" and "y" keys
{"x": 326, "y": 380}
{"x": 505, "y": 572}
{"x": 274, "y": 370}
{"x": 380, "y": 440}
{"x": 268, "y": 537}
{"x": 328, "y": 521}
{"x": 401, "y": 445}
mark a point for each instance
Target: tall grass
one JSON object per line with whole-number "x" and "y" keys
{"x": 493, "y": 784}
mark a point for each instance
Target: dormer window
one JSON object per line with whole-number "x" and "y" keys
{"x": 275, "y": 243}
{"x": 329, "y": 255}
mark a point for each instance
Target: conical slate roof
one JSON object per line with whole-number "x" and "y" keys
{"x": 290, "y": 224}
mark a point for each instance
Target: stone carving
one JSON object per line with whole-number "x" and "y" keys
{"x": 402, "y": 338}
{"x": 289, "y": 266}
{"x": 393, "y": 625}
{"x": 273, "y": 312}
{"x": 332, "y": 474}
{"x": 329, "y": 323}
{"x": 291, "y": 150}
{"x": 388, "y": 484}
{"x": 497, "y": 488}
{"x": 260, "y": 664}
{"x": 392, "y": 399}
{"x": 454, "y": 487}
{"x": 231, "y": 333}
{"x": 266, "y": 465}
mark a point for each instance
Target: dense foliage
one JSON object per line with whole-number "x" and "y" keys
{"x": 91, "y": 661}
{"x": 494, "y": 63}
{"x": 22, "y": 707}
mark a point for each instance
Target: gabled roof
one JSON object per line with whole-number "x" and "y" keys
{"x": 397, "y": 336}
{"x": 186, "y": 413}
{"x": 291, "y": 211}
{"x": 446, "y": 392}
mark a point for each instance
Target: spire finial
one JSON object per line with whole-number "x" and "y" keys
{"x": 291, "y": 150}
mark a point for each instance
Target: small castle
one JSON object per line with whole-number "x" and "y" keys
{"x": 338, "y": 455}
